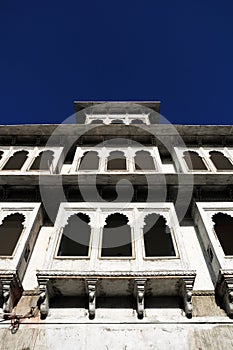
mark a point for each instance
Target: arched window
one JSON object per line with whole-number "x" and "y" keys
{"x": 116, "y": 161}
{"x": 116, "y": 240}
{"x": 97, "y": 121}
{"x": 223, "y": 226}
{"x": 10, "y": 231}
{"x": 194, "y": 161}
{"x": 157, "y": 237}
{"x": 137, "y": 121}
{"x": 43, "y": 161}
{"x": 144, "y": 161}
{"x": 76, "y": 236}
{"x": 16, "y": 161}
{"x": 117, "y": 121}
{"x": 220, "y": 161}
{"x": 89, "y": 161}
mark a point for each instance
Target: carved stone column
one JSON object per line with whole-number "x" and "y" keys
{"x": 91, "y": 291}
{"x": 140, "y": 285}
{"x": 186, "y": 292}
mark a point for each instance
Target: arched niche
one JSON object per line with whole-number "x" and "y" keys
{"x": 223, "y": 226}
{"x": 97, "y": 121}
{"x": 16, "y": 161}
{"x": 144, "y": 161}
{"x": 89, "y": 161}
{"x": 10, "y": 231}
{"x": 43, "y": 161}
{"x": 194, "y": 161}
{"x": 221, "y": 162}
{"x": 137, "y": 121}
{"x": 157, "y": 237}
{"x": 76, "y": 235}
{"x": 116, "y": 238}
{"x": 116, "y": 161}
{"x": 117, "y": 121}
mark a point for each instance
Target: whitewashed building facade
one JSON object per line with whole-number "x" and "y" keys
{"x": 116, "y": 232}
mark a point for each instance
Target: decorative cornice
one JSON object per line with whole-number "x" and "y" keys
{"x": 203, "y": 293}
{"x": 117, "y": 274}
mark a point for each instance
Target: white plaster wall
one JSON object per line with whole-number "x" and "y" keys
{"x": 37, "y": 258}
{"x": 196, "y": 258}
{"x": 118, "y": 337}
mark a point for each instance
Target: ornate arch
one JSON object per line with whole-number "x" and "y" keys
{"x": 157, "y": 236}
{"x": 94, "y": 161}
{"x": 11, "y": 229}
{"x": 220, "y": 161}
{"x": 43, "y": 160}
{"x": 76, "y": 234}
{"x": 19, "y": 157}
{"x": 223, "y": 227}
{"x": 194, "y": 161}
{"x": 116, "y": 236}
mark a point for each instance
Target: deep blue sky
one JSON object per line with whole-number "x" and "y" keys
{"x": 54, "y": 52}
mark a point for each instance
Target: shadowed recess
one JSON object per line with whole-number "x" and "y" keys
{"x": 76, "y": 236}
{"x": 10, "y": 231}
{"x": 116, "y": 240}
{"x": 157, "y": 237}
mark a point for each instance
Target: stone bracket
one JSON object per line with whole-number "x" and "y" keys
{"x": 224, "y": 289}
{"x": 186, "y": 292}
{"x": 91, "y": 291}
{"x": 11, "y": 289}
{"x": 8, "y": 300}
{"x": 140, "y": 285}
{"x": 43, "y": 301}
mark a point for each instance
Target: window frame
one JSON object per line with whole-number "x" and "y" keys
{"x": 104, "y": 216}
{"x": 31, "y": 226}
{"x": 126, "y": 118}
{"x": 33, "y": 152}
{"x": 203, "y": 152}
{"x": 103, "y": 154}
{"x": 71, "y": 257}
{"x": 203, "y": 213}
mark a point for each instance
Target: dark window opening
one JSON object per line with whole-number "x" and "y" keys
{"x": 10, "y": 231}
{"x": 116, "y": 241}
{"x": 43, "y": 161}
{"x": 194, "y": 161}
{"x": 89, "y": 161}
{"x": 220, "y": 161}
{"x": 16, "y": 161}
{"x": 116, "y": 161}
{"x": 157, "y": 237}
{"x": 97, "y": 121}
{"x": 223, "y": 226}
{"x": 1, "y": 154}
{"x": 117, "y": 121}
{"x": 137, "y": 121}
{"x": 76, "y": 236}
{"x": 144, "y": 161}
